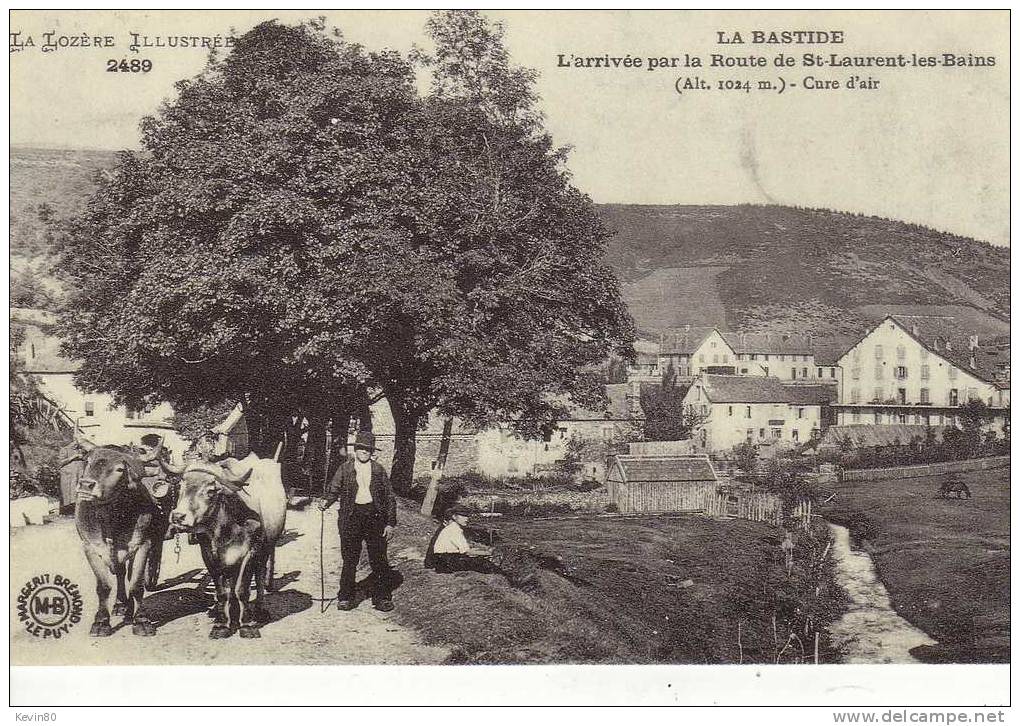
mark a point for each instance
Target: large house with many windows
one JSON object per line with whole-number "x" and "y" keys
{"x": 761, "y": 410}
{"x": 918, "y": 370}
{"x": 693, "y": 350}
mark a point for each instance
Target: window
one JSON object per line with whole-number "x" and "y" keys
{"x": 725, "y": 358}
{"x": 793, "y": 373}
{"x": 917, "y": 418}
{"x": 32, "y": 350}
{"x": 803, "y": 372}
{"x": 832, "y": 373}
{"x": 901, "y": 396}
{"x": 878, "y": 352}
{"x": 819, "y": 372}
{"x": 563, "y": 433}
{"x": 607, "y": 433}
{"x": 924, "y": 353}
{"x": 878, "y": 394}
{"x": 954, "y": 397}
{"x": 90, "y": 408}
{"x": 878, "y": 371}
{"x": 777, "y": 433}
{"x": 924, "y": 396}
{"x": 761, "y": 433}
{"x": 800, "y": 413}
{"x": 712, "y": 345}
{"x": 903, "y": 418}
{"x": 855, "y": 373}
{"x": 972, "y": 394}
{"x": 753, "y": 356}
{"x": 901, "y": 372}
{"x": 129, "y": 412}
{"x": 925, "y": 373}
{"x": 901, "y": 352}
{"x": 878, "y": 417}
{"x": 952, "y": 373}
{"x": 795, "y": 435}
{"x": 730, "y": 410}
{"x": 743, "y": 370}
{"x": 701, "y": 357}
{"x": 766, "y": 356}
{"x": 782, "y": 357}
{"x": 750, "y": 434}
{"x": 856, "y": 417}
{"x": 766, "y": 369}
{"x": 748, "y": 412}
{"x": 715, "y": 359}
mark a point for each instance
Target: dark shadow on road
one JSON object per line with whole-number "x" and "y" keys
{"x": 285, "y": 579}
{"x": 190, "y": 577}
{"x": 288, "y": 536}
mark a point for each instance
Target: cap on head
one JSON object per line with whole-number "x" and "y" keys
{"x": 365, "y": 440}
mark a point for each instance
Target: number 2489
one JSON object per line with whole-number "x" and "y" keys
{"x": 126, "y": 66}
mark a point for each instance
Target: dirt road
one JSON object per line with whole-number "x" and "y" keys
{"x": 298, "y": 634}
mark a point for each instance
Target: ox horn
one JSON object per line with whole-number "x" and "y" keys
{"x": 234, "y": 483}
{"x": 170, "y": 468}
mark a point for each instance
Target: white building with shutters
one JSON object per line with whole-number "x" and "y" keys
{"x": 918, "y": 370}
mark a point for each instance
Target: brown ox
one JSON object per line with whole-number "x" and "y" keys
{"x": 233, "y": 543}
{"x": 121, "y": 525}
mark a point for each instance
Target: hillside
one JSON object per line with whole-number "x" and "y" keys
{"x": 752, "y": 267}
{"x": 786, "y": 268}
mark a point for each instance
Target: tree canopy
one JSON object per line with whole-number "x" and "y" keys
{"x": 302, "y": 226}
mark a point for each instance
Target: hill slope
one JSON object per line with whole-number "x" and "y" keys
{"x": 784, "y": 268}
{"x": 755, "y": 267}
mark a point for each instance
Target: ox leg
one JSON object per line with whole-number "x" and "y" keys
{"x": 153, "y": 564}
{"x": 121, "y": 607}
{"x": 106, "y": 591}
{"x": 270, "y": 568}
{"x": 142, "y": 625}
{"x": 263, "y": 579}
{"x": 221, "y": 618}
{"x": 211, "y": 571}
{"x": 252, "y": 611}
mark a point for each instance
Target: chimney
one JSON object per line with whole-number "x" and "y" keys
{"x": 913, "y": 329}
{"x": 935, "y": 343}
{"x": 687, "y": 328}
{"x": 949, "y": 344}
{"x": 973, "y": 363}
{"x": 972, "y": 342}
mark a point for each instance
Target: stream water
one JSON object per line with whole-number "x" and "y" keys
{"x": 871, "y": 630}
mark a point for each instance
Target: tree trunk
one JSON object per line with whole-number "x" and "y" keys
{"x": 314, "y": 460}
{"x": 340, "y": 424}
{"x": 405, "y": 425}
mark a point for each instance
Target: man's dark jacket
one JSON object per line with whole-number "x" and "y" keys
{"x": 344, "y": 488}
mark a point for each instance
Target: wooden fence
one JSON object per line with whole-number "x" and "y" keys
{"x": 706, "y": 497}
{"x": 942, "y": 467}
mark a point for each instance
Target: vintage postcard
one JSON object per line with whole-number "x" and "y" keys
{"x": 559, "y": 338}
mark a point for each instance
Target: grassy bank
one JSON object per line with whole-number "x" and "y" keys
{"x": 643, "y": 590}
{"x": 944, "y": 562}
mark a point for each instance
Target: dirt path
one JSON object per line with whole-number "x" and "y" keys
{"x": 299, "y": 633}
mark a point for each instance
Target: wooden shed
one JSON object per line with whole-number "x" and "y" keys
{"x": 660, "y": 483}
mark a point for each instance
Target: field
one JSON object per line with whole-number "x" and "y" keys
{"x": 944, "y": 562}
{"x": 686, "y": 589}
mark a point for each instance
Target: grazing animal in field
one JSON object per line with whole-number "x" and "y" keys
{"x": 954, "y": 486}
{"x": 237, "y": 518}
{"x": 121, "y": 526}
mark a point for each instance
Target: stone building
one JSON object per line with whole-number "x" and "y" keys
{"x": 762, "y": 410}
{"x": 918, "y": 370}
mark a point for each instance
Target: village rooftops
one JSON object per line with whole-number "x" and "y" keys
{"x": 636, "y": 469}
{"x": 686, "y": 340}
{"x": 745, "y": 389}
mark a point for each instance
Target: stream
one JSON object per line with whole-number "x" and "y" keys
{"x": 870, "y": 631}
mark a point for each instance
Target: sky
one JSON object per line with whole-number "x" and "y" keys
{"x": 929, "y": 145}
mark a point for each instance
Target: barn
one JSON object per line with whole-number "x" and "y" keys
{"x": 660, "y": 483}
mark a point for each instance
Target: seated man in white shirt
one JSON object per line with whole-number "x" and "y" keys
{"x": 450, "y": 551}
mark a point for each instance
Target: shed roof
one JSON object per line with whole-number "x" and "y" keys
{"x": 636, "y": 468}
{"x": 813, "y": 394}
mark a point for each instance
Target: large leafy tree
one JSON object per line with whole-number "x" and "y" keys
{"x": 200, "y": 267}
{"x": 302, "y": 228}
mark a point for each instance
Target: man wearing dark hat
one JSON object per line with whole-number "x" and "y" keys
{"x": 367, "y": 513}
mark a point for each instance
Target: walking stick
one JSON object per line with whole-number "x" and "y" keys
{"x": 324, "y": 602}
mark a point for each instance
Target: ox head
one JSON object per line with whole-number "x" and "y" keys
{"x": 108, "y": 472}
{"x": 202, "y": 486}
